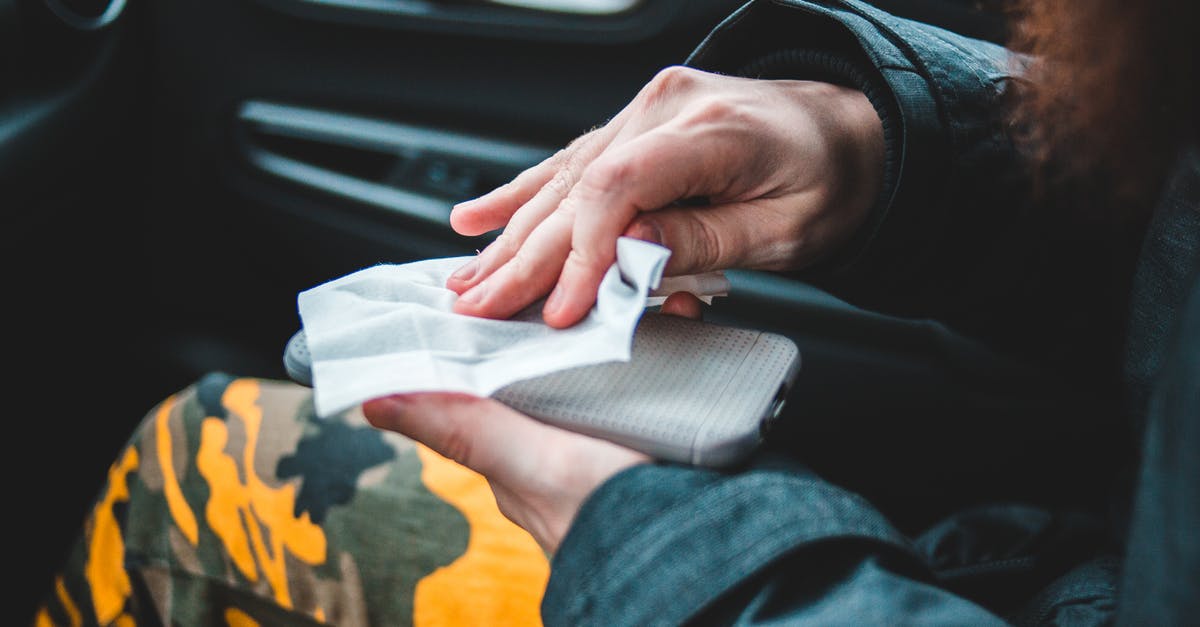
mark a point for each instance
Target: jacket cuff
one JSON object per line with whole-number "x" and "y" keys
{"x": 845, "y": 43}
{"x": 657, "y": 543}
{"x": 939, "y": 92}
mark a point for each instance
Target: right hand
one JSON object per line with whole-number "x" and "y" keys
{"x": 788, "y": 170}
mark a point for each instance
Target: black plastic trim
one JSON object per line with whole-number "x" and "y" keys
{"x": 645, "y": 20}
{"x": 404, "y": 141}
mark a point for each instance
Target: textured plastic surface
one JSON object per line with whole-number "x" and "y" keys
{"x": 692, "y": 392}
{"x": 297, "y": 360}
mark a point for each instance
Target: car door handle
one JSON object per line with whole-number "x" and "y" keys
{"x": 568, "y": 21}
{"x": 576, "y": 7}
{"x": 415, "y": 171}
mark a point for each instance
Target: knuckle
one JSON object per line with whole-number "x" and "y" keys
{"x": 562, "y": 155}
{"x": 560, "y": 184}
{"x": 458, "y": 445}
{"x": 575, "y": 145}
{"x": 564, "y": 213}
{"x": 611, "y": 172}
{"x": 588, "y": 265}
{"x": 677, "y": 77}
{"x": 566, "y": 163}
{"x": 670, "y": 81}
{"x": 520, "y": 268}
{"x": 707, "y": 249}
{"x": 646, "y": 159}
{"x": 505, "y": 245}
{"x": 717, "y": 110}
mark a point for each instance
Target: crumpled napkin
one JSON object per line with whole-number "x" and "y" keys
{"x": 390, "y": 329}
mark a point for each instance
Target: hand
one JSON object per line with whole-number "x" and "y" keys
{"x": 540, "y": 474}
{"x": 788, "y": 170}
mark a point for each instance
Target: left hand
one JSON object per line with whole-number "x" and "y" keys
{"x": 540, "y": 474}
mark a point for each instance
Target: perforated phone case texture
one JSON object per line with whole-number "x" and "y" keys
{"x": 692, "y": 392}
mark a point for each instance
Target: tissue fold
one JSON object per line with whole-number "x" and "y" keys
{"x": 390, "y": 329}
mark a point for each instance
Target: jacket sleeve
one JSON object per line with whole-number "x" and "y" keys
{"x": 668, "y": 545}
{"x": 956, "y": 235}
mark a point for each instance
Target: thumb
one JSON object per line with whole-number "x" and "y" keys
{"x": 718, "y": 237}
{"x": 479, "y": 433}
{"x": 684, "y": 305}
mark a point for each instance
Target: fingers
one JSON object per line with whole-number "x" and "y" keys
{"x": 524, "y": 278}
{"x": 521, "y": 210}
{"x": 493, "y": 210}
{"x": 683, "y": 304}
{"x": 529, "y": 217}
{"x": 751, "y": 163}
{"x": 566, "y": 235}
{"x": 760, "y": 234}
{"x": 496, "y": 208}
{"x": 520, "y": 207}
{"x": 627, "y": 180}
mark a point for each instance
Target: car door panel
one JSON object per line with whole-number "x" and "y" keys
{"x": 312, "y": 142}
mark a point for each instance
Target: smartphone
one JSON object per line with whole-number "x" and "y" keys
{"x": 693, "y": 392}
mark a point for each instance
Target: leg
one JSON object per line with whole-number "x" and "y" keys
{"x": 234, "y": 504}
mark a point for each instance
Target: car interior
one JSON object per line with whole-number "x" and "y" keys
{"x": 174, "y": 172}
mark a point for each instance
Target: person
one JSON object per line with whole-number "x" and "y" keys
{"x": 1040, "y": 201}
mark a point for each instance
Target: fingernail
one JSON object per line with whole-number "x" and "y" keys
{"x": 475, "y": 295}
{"x": 397, "y": 401}
{"x": 467, "y": 271}
{"x": 383, "y": 407}
{"x": 648, "y": 231}
{"x": 554, "y": 301}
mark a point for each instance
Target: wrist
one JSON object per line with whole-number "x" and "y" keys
{"x": 570, "y": 475}
{"x": 861, "y": 153}
{"x": 847, "y": 178}
{"x": 857, "y": 74}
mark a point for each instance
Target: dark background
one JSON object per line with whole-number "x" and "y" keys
{"x": 160, "y": 213}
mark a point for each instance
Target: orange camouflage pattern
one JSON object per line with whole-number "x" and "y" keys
{"x": 233, "y": 504}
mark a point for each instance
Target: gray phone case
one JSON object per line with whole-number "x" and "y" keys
{"x": 692, "y": 392}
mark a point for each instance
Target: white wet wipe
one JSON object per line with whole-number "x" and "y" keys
{"x": 391, "y": 329}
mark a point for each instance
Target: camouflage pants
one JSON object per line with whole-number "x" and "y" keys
{"x": 233, "y": 504}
